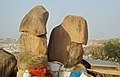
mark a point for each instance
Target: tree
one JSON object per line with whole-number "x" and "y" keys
{"x": 112, "y": 50}
{"x": 106, "y": 50}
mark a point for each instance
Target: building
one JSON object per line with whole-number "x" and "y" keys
{"x": 103, "y": 68}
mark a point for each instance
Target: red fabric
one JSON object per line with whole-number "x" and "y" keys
{"x": 39, "y": 72}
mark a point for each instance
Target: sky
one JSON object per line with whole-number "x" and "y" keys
{"x": 103, "y": 16}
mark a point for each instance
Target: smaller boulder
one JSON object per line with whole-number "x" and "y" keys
{"x": 7, "y": 63}
{"x": 76, "y": 27}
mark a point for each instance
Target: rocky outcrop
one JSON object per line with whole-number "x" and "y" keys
{"x": 33, "y": 41}
{"x": 65, "y": 44}
{"x": 35, "y": 21}
{"x": 7, "y": 63}
{"x": 33, "y": 28}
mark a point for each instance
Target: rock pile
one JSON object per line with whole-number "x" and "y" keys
{"x": 33, "y": 41}
{"x": 33, "y": 28}
{"x": 65, "y": 44}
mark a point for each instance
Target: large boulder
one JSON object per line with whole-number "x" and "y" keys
{"x": 32, "y": 44}
{"x": 65, "y": 44}
{"x": 35, "y": 21}
{"x": 7, "y": 63}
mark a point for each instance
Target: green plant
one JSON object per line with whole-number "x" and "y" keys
{"x": 112, "y": 50}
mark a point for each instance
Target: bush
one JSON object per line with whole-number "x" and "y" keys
{"x": 112, "y": 50}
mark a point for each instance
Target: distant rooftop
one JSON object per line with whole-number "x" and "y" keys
{"x": 102, "y": 63}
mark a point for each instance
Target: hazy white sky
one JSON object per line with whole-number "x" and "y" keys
{"x": 103, "y": 16}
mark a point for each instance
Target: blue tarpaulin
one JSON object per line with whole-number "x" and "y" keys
{"x": 77, "y": 74}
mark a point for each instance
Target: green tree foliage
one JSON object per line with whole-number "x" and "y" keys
{"x": 106, "y": 50}
{"x": 112, "y": 50}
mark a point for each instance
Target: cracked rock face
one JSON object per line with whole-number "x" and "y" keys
{"x": 32, "y": 44}
{"x": 35, "y": 21}
{"x": 65, "y": 44}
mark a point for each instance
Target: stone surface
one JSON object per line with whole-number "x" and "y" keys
{"x": 65, "y": 44}
{"x": 75, "y": 54}
{"x": 32, "y": 44}
{"x": 35, "y": 21}
{"x": 79, "y": 67}
{"x": 7, "y": 63}
{"x": 62, "y": 49}
{"x": 27, "y": 60}
{"x": 76, "y": 27}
